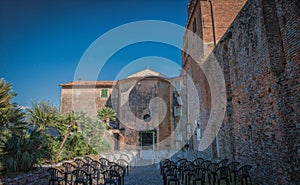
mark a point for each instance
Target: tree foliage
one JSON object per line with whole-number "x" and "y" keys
{"x": 106, "y": 115}
{"x": 25, "y": 141}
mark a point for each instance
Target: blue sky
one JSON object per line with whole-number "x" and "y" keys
{"x": 42, "y": 41}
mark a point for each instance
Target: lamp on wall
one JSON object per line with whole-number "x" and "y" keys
{"x": 198, "y": 131}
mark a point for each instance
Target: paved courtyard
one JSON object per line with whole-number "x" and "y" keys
{"x": 144, "y": 174}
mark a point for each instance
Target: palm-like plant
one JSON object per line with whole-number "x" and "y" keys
{"x": 11, "y": 117}
{"x": 6, "y": 94}
{"x": 106, "y": 115}
{"x": 44, "y": 115}
{"x": 23, "y": 152}
{"x": 72, "y": 119}
{"x": 10, "y": 114}
{"x": 19, "y": 150}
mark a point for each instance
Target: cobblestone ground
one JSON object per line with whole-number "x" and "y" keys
{"x": 144, "y": 175}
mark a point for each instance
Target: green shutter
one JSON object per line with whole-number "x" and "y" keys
{"x": 104, "y": 93}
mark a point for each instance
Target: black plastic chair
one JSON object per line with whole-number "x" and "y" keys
{"x": 171, "y": 175}
{"x": 93, "y": 172}
{"x": 233, "y": 168}
{"x": 189, "y": 177}
{"x": 163, "y": 163}
{"x": 244, "y": 174}
{"x": 223, "y": 174}
{"x": 56, "y": 175}
{"x": 81, "y": 177}
{"x": 121, "y": 171}
{"x": 124, "y": 164}
{"x": 68, "y": 168}
{"x": 200, "y": 174}
{"x": 100, "y": 169}
{"x": 111, "y": 177}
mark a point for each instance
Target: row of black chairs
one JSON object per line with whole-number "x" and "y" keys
{"x": 185, "y": 172}
{"x": 88, "y": 171}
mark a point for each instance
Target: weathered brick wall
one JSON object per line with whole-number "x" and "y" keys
{"x": 224, "y": 12}
{"x": 259, "y": 55}
{"x": 260, "y": 58}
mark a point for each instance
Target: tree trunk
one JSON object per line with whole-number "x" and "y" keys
{"x": 64, "y": 140}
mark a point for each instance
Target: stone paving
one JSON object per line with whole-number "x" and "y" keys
{"x": 144, "y": 174}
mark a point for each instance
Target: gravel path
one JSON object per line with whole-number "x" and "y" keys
{"x": 144, "y": 175}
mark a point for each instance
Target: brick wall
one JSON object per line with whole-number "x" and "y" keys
{"x": 224, "y": 12}
{"x": 259, "y": 55}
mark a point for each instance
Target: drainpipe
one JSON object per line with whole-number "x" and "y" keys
{"x": 212, "y": 21}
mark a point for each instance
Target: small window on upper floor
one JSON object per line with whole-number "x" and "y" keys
{"x": 104, "y": 93}
{"x": 195, "y": 25}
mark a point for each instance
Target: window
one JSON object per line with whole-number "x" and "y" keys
{"x": 104, "y": 93}
{"x": 195, "y": 26}
{"x": 177, "y": 111}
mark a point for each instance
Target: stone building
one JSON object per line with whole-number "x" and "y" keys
{"x": 85, "y": 96}
{"x": 148, "y": 105}
{"x": 259, "y": 55}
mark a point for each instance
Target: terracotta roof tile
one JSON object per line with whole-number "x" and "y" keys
{"x": 88, "y": 83}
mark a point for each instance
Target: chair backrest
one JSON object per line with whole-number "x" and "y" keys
{"x": 244, "y": 171}
{"x": 213, "y": 167}
{"x": 198, "y": 161}
{"x": 223, "y": 162}
{"x": 206, "y": 164}
{"x": 233, "y": 166}
{"x": 81, "y": 176}
{"x": 110, "y": 174}
{"x": 180, "y": 161}
{"x": 55, "y": 173}
{"x": 172, "y": 171}
{"x": 68, "y": 167}
{"x": 125, "y": 157}
{"x": 223, "y": 171}
{"x": 199, "y": 171}
{"x": 89, "y": 168}
{"x": 112, "y": 164}
{"x": 88, "y": 159}
{"x": 119, "y": 169}
{"x": 104, "y": 161}
{"x": 79, "y": 162}
{"x": 122, "y": 162}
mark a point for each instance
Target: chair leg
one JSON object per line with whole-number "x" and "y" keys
{"x": 227, "y": 182}
{"x": 234, "y": 176}
{"x": 250, "y": 180}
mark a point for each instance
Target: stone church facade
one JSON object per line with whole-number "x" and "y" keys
{"x": 148, "y": 105}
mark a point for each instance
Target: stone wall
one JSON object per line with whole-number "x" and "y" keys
{"x": 32, "y": 178}
{"x": 134, "y": 96}
{"x": 260, "y": 58}
{"x": 85, "y": 98}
